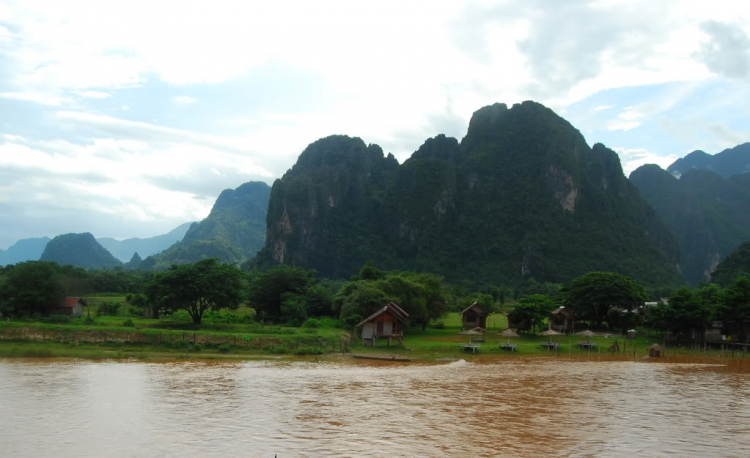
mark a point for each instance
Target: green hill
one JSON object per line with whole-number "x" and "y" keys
{"x": 80, "y": 250}
{"x": 735, "y": 265}
{"x": 522, "y": 195}
{"x": 234, "y": 230}
{"x": 709, "y": 214}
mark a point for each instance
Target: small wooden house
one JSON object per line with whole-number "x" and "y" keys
{"x": 71, "y": 306}
{"x": 386, "y": 323}
{"x": 562, "y": 320}
{"x": 474, "y": 316}
{"x": 655, "y": 351}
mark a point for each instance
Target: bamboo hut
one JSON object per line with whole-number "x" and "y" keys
{"x": 474, "y": 316}
{"x": 386, "y": 323}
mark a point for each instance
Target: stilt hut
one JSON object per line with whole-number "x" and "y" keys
{"x": 386, "y": 323}
{"x": 562, "y": 320}
{"x": 474, "y": 316}
{"x": 655, "y": 351}
{"x": 72, "y": 306}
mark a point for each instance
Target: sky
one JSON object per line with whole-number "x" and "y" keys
{"x": 127, "y": 119}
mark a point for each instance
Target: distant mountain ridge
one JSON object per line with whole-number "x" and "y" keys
{"x": 522, "y": 195}
{"x": 731, "y": 161}
{"x": 233, "y": 232}
{"x": 24, "y": 250}
{"x": 80, "y": 250}
{"x": 709, "y": 214}
{"x": 124, "y": 249}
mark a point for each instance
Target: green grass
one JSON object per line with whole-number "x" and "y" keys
{"x": 108, "y": 338}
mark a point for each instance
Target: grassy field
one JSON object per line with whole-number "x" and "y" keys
{"x": 170, "y": 339}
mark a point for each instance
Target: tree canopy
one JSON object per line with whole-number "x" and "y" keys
{"x": 207, "y": 284}
{"x": 592, "y": 295}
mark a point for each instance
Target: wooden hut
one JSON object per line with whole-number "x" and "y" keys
{"x": 474, "y": 316}
{"x": 655, "y": 351}
{"x": 71, "y": 306}
{"x": 562, "y": 320}
{"x": 386, "y": 323}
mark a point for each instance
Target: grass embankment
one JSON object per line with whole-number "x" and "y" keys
{"x": 174, "y": 339}
{"x": 434, "y": 343}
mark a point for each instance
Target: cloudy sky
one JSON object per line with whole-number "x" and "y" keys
{"x": 128, "y": 118}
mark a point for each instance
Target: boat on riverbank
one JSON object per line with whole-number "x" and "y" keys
{"x": 383, "y": 358}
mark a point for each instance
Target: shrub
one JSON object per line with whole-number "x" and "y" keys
{"x": 58, "y": 319}
{"x": 439, "y": 325}
{"x": 88, "y": 320}
{"x": 302, "y": 351}
{"x": 108, "y": 308}
{"x": 353, "y": 320}
{"x": 312, "y": 323}
{"x": 224, "y": 348}
{"x": 276, "y": 349}
{"x": 128, "y": 323}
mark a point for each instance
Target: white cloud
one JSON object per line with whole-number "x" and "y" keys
{"x": 95, "y": 94}
{"x": 603, "y": 107}
{"x": 623, "y": 125}
{"x": 632, "y": 158}
{"x": 184, "y": 99}
{"x": 36, "y": 97}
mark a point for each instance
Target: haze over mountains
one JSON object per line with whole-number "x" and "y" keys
{"x": 707, "y": 208}
{"x": 731, "y": 161}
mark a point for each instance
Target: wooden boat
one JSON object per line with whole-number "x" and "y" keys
{"x": 383, "y": 358}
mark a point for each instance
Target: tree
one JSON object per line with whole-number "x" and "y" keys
{"x": 360, "y": 298}
{"x": 688, "y": 310}
{"x": 30, "y": 287}
{"x": 593, "y": 294}
{"x": 532, "y": 309}
{"x": 735, "y": 305}
{"x": 207, "y": 284}
{"x": 270, "y": 289}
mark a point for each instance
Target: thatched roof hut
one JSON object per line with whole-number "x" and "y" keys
{"x": 474, "y": 316}
{"x": 655, "y": 351}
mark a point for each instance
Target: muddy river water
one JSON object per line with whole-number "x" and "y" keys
{"x": 504, "y": 407}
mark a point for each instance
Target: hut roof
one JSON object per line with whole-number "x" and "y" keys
{"x": 550, "y": 332}
{"x": 562, "y": 311}
{"x": 394, "y": 309}
{"x": 477, "y": 308}
{"x": 586, "y": 333}
{"x": 656, "y": 347}
{"x": 471, "y": 332}
{"x": 508, "y": 333}
{"x": 69, "y": 302}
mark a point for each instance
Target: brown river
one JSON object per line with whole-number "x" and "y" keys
{"x": 525, "y": 407}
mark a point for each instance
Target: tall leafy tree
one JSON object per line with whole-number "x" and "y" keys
{"x": 30, "y": 287}
{"x": 207, "y": 284}
{"x": 280, "y": 284}
{"x": 533, "y": 309}
{"x": 735, "y": 306}
{"x": 591, "y": 295}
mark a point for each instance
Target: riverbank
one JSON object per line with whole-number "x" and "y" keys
{"x": 162, "y": 339}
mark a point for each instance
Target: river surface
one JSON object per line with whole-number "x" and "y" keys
{"x": 526, "y": 407}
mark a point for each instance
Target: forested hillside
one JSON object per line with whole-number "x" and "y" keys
{"x": 709, "y": 214}
{"x": 521, "y": 196}
{"x": 80, "y": 250}
{"x": 233, "y": 232}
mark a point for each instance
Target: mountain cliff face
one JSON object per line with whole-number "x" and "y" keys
{"x": 80, "y": 250}
{"x": 233, "y": 232}
{"x": 731, "y": 161}
{"x": 522, "y": 195}
{"x": 23, "y": 250}
{"x": 709, "y": 214}
{"x": 124, "y": 249}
